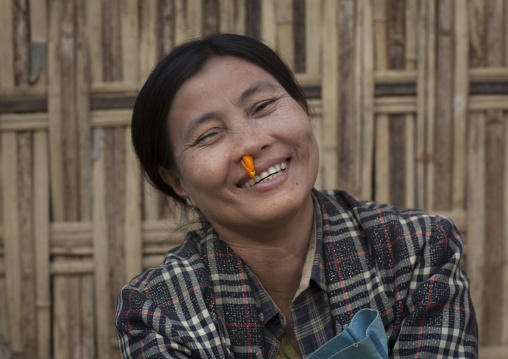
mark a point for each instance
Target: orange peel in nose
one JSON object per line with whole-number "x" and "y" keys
{"x": 248, "y": 164}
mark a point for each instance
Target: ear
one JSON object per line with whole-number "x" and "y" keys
{"x": 172, "y": 179}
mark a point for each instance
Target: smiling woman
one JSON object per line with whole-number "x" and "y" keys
{"x": 278, "y": 269}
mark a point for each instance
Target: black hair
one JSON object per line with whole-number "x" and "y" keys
{"x": 149, "y": 125}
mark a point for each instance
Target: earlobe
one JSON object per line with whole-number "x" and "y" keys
{"x": 173, "y": 180}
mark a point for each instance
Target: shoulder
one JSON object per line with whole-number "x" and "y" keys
{"x": 384, "y": 224}
{"x": 181, "y": 274}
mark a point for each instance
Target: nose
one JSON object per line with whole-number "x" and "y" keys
{"x": 251, "y": 139}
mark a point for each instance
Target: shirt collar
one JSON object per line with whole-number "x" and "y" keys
{"x": 317, "y": 269}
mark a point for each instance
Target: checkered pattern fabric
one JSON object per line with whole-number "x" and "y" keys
{"x": 204, "y": 302}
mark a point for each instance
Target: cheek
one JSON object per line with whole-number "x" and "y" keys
{"x": 202, "y": 170}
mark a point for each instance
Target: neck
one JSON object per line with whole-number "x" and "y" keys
{"x": 277, "y": 256}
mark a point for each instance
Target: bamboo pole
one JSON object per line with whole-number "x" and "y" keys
{"x": 410, "y": 46}
{"x": 494, "y": 240}
{"x": 111, "y": 46}
{"x": 38, "y": 43}
{"x": 495, "y": 32}
{"x": 25, "y": 192}
{"x": 194, "y": 18}
{"x": 359, "y": 102}
{"x": 382, "y": 122}
{"x": 443, "y": 160}
{"x": 12, "y": 240}
{"x": 285, "y": 31}
{"x": 147, "y": 44}
{"x": 83, "y": 80}
{"x": 476, "y": 221}
{"x": 330, "y": 89}
{"x": 421, "y": 109}
{"x": 180, "y": 24}
{"x": 100, "y": 246}
{"x": 313, "y": 50}
{"x": 240, "y": 21}
{"x": 94, "y": 31}
{"x": 460, "y": 99}
{"x": 133, "y": 232}
{"x": 504, "y": 313}
{"x": 477, "y": 32}
{"x": 382, "y": 157}
{"x": 130, "y": 43}
{"x": 227, "y": 15}
{"x": 268, "y": 23}
{"x": 23, "y": 122}
{"x": 61, "y": 348}
{"x": 6, "y": 44}
{"x": 87, "y": 317}
{"x": 410, "y": 150}
{"x": 345, "y": 134}
{"x": 431, "y": 102}
{"x": 368, "y": 121}
{"x": 54, "y": 111}
{"x": 110, "y": 118}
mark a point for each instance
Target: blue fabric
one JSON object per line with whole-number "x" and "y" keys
{"x": 364, "y": 338}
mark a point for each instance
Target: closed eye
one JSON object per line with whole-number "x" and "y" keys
{"x": 206, "y": 136}
{"x": 263, "y": 107}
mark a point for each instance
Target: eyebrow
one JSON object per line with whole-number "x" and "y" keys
{"x": 248, "y": 92}
{"x": 255, "y": 87}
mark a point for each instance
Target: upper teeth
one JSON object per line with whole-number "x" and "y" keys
{"x": 272, "y": 173}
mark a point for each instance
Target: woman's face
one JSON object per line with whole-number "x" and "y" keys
{"x": 229, "y": 109}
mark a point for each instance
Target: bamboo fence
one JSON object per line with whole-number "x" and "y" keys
{"x": 410, "y": 106}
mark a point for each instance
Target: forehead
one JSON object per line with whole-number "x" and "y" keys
{"x": 226, "y": 72}
{"x": 220, "y": 78}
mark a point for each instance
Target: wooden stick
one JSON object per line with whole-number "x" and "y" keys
{"x": 41, "y": 240}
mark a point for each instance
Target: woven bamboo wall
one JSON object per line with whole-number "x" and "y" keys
{"x": 410, "y": 106}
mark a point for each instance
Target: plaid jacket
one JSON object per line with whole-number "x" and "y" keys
{"x": 204, "y": 302}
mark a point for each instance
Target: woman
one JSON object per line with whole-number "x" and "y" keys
{"x": 277, "y": 268}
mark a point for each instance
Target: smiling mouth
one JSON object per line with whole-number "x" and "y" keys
{"x": 265, "y": 176}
